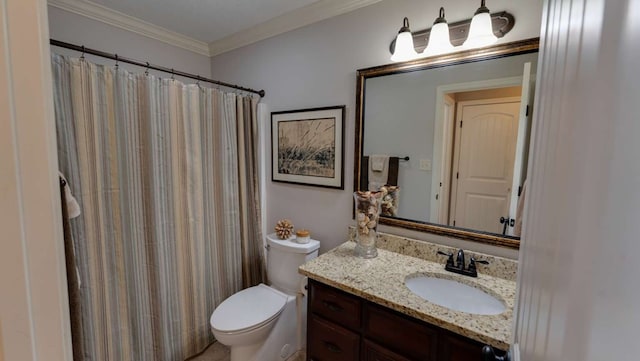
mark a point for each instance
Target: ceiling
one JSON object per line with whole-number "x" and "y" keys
{"x": 209, "y": 27}
{"x": 205, "y": 20}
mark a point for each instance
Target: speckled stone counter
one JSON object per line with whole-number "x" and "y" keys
{"x": 498, "y": 266}
{"x": 381, "y": 280}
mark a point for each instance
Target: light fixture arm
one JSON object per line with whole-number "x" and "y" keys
{"x": 503, "y": 22}
{"x": 440, "y": 18}
{"x": 406, "y": 48}
{"x": 482, "y": 9}
{"x": 405, "y": 26}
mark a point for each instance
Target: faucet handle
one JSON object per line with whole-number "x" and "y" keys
{"x": 472, "y": 266}
{"x": 481, "y": 261}
{"x": 449, "y": 260}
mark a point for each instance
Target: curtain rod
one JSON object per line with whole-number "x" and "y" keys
{"x": 147, "y": 65}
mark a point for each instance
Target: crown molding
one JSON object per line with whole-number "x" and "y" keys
{"x": 295, "y": 19}
{"x": 130, "y": 23}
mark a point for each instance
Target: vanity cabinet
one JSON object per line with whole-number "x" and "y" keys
{"x": 344, "y": 327}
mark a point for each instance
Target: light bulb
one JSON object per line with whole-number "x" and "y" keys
{"x": 439, "y": 40}
{"x": 404, "y": 49}
{"x": 481, "y": 29}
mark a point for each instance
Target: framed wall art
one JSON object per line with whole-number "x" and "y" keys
{"x": 308, "y": 146}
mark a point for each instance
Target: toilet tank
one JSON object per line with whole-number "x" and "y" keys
{"x": 283, "y": 259}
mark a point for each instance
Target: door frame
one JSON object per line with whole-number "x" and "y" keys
{"x": 444, "y": 184}
{"x": 439, "y": 131}
{"x": 522, "y": 144}
{"x": 34, "y": 307}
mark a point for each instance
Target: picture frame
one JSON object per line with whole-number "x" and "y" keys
{"x": 307, "y": 146}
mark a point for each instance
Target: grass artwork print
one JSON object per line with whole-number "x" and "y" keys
{"x": 308, "y": 146}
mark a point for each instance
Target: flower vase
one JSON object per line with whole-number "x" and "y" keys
{"x": 367, "y": 214}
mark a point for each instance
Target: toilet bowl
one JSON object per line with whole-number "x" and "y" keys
{"x": 241, "y": 320}
{"x": 268, "y": 323}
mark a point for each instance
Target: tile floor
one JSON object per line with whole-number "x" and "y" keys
{"x": 219, "y": 352}
{"x": 215, "y": 352}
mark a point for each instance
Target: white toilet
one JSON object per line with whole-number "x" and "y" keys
{"x": 268, "y": 323}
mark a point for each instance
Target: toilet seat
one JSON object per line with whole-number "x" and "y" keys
{"x": 248, "y": 309}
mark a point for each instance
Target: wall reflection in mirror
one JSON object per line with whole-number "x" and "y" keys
{"x": 465, "y": 129}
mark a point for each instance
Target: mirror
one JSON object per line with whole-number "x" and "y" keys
{"x": 452, "y": 133}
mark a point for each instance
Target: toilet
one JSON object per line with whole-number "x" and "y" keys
{"x": 268, "y": 323}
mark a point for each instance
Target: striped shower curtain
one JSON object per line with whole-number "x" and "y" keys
{"x": 165, "y": 174}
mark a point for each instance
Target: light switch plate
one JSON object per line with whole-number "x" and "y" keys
{"x": 425, "y": 164}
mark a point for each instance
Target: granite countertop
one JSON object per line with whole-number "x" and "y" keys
{"x": 381, "y": 280}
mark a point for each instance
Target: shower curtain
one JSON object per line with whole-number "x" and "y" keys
{"x": 166, "y": 177}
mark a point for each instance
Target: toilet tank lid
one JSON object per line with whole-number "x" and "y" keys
{"x": 290, "y": 245}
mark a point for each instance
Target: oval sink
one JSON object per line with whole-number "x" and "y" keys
{"x": 454, "y": 295}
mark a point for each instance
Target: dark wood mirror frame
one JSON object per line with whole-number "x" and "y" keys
{"x": 492, "y": 52}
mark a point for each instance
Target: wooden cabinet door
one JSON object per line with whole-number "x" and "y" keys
{"x": 458, "y": 348}
{"x": 373, "y": 352}
{"x": 400, "y": 333}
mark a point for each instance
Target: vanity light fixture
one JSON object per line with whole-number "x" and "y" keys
{"x": 439, "y": 37}
{"x": 404, "y": 49}
{"x": 481, "y": 29}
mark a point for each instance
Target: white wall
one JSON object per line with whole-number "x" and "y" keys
{"x": 76, "y": 29}
{"x": 316, "y": 66}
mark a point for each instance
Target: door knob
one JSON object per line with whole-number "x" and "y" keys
{"x": 488, "y": 354}
{"x": 505, "y": 224}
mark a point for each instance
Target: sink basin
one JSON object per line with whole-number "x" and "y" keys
{"x": 454, "y": 295}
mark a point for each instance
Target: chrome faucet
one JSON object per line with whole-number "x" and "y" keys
{"x": 458, "y": 266}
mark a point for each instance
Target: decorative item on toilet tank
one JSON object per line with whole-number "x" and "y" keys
{"x": 284, "y": 229}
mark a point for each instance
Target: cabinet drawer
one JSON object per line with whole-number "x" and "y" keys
{"x": 335, "y": 305}
{"x": 414, "y": 339}
{"x": 329, "y": 342}
{"x": 373, "y": 352}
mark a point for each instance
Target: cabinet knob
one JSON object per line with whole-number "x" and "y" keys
{"x": 332, "y": 306}
{"x": 332, "y": 347}
{"x": 488, "y": 354}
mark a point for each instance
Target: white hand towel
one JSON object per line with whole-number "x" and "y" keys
{"x": 378, "y": 171}
{"x": 378, "y": 162}
{"x": 73, "y": 208}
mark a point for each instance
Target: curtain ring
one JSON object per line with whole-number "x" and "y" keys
{"x": 198, "y": 84}
{"x": 172, "y": 74}
{"x": 82, "y": 55}
{"x": 146, "y": 72}
{"x": 117, "y": 65}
